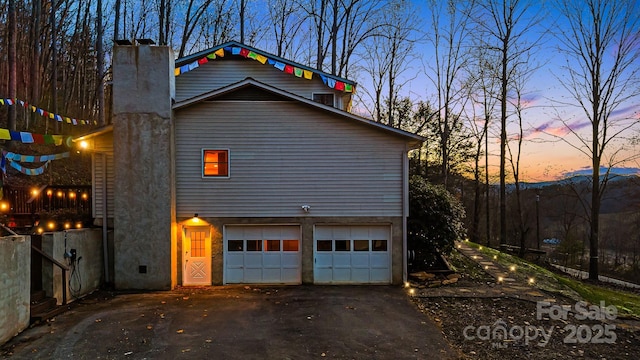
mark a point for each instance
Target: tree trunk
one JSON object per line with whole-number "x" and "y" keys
{"x": 54, "y": 65}
{"x": 35, "y": 58}
{"x": 503, "y": 144}
{"x": 100, "y": 63}
{"x": 11, "y": 120}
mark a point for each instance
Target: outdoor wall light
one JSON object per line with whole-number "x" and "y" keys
{"x": 195, "y": 218}
{"x": 306, "y": 208}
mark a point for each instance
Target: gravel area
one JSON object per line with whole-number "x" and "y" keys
{"x": 511, "y": 328}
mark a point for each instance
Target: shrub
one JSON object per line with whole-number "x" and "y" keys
{"x": 436, "y": 221}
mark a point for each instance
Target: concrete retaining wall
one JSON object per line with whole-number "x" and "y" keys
{"x": 15, "y": 280}
{"x": 86, "y": 273}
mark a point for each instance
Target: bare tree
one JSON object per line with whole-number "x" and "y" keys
{"x": 515, "y": 157}
{"x": 602, "y": 76}
{"x": 11, "y": 121}
{"x": 386, "y": 58}
{"x": 483, "y": 93}
{"x": 479, "y": 116}
{"x": 340, "y": 28}
{"x": 100, "y": 63}
{"x": 450, "y": 36}
{"x": 502, "y": 26}
{"x": 286, "y": 24}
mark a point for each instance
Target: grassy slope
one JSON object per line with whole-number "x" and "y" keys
{"x": 628, "y": 304}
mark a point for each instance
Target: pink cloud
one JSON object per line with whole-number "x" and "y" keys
{"x": 558, "y": 131}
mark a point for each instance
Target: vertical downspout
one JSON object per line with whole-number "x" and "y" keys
{"x": 405, "y": 211}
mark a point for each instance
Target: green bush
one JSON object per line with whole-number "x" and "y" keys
{"x": 436, "y": 221}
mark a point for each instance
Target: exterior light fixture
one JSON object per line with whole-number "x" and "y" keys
{"x": 531, "y": 281}
{"x": 306, "y": 208}
{"x": 480, "y": 248}
{"x": 500, "y": 279}
{"x": 512, "y": 268}
{"x": 195, "y": 218}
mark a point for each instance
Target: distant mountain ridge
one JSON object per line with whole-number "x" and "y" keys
{"x": 576, "y": 179}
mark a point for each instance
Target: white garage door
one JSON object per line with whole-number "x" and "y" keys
{"x": 352, "y": 254}
{"x": 262, "y": 254}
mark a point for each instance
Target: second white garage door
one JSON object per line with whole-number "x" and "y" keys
{"x": 352, "y": 254}
{"x": 267, "y": 254}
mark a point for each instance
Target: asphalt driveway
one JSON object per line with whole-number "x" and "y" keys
{"x": 239, "y": 322}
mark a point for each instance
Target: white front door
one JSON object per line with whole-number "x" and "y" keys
{"x": 197, "y": 256}
{"x": 357, "y": 254}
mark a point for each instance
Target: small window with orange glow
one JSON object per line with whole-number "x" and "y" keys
{"x": 215, "y": 163}
{"x": 290, "y": 245}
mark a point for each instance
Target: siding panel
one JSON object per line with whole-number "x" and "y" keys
{"x": 222, "y": 72}
{"x": 103, "y": 144}
{"x": 284, "y": 155}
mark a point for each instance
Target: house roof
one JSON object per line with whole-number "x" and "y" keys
{"x": 414, "y": 140}
{"x": 193, "y": 61}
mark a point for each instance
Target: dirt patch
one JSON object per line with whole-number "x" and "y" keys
{"x": 511, "y": 328}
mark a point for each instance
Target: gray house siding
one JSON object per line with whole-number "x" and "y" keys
{"x": 224, "y": 71}
{"x": 284, "y": 155}
{"x": 103, "y": 146}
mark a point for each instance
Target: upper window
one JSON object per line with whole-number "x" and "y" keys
{"x": 215, "y": 163}
{"x": 324, "y": 98}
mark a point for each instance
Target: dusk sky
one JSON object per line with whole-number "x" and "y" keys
{"x": 549, "y": 148}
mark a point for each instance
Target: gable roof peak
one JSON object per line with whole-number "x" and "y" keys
{"x": 235, "y": 48}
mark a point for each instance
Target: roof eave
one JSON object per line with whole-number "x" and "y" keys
{"x": 190, "y": 58}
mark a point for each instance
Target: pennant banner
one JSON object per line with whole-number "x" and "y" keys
{"x": 34, "y": 158}
{"x": 31, "y": 138}
{"x": 286, "y": 68}
{"x": 45, "y": 113}
{"x": 29, "y": 171}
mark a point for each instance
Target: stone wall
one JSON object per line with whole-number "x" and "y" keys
{"x": 15, "y": 280}
{"x": 86, "y": 272}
